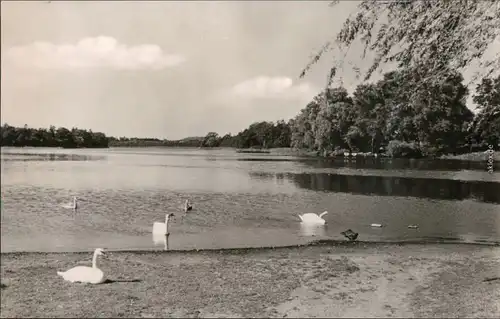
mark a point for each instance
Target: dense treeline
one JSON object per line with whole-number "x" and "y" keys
{"x": 257, "y": 135}
{"x": 381, "y": 117}
{"x": 52, "y": 137}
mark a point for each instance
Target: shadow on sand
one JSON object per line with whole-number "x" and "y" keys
{"x": 110, "y": 281}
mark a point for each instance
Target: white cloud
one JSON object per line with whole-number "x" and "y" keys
{"x": 98, "y": 52}
{"x": 265, "y": 87}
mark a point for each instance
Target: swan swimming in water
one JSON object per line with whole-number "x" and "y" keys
{"x": 312, "y": 218}
{"x": 162, "y": 228}
{"x": 85, "y": 274}
{"x": 187, "y": 207}
{"x": 73, "y": 205}
{"x": 312, "y": 230}
{"x": 159, "y": 239}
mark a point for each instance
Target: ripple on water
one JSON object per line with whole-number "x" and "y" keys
{"x": 32, "y": 218}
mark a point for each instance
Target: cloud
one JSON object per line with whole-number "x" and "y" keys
{"x": 265, "y": 87}
{"x": 98, "y": 52}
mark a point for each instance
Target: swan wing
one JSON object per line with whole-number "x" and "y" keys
{"x": 96, "y": 277}
{"x": 76, "y": 274}
{"x": 323, "y": 213}
{"x": 301, "y": 219}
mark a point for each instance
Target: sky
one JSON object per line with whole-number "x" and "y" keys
{"x": 161, "y": 69}
{"x": 165, "y": 69}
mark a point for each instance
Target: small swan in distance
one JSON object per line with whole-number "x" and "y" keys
{"x": 187, "y": 207}
{"x": 162, "y": 228}
{"x": 85, "y": 274}
{"x": 73, "y": 205}
{"x": 312, "y": 218}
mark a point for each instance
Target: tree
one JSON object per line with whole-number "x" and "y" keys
{"x": 486, "y": 126}
{"x": 211, "y": 140}
{"x": 372, "y": 113}
{"x": 428, "y": 36}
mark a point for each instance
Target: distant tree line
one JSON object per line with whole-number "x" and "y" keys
{"x": 150, "y": 142}
{"x": 52, "y": 137}
{"x": 377, "y": 117}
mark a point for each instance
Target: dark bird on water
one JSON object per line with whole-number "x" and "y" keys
{"x": 349, "y": 234}
{"x": 188, "y": 207}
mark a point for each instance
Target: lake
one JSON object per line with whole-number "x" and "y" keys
{"x": 239, "y": 200}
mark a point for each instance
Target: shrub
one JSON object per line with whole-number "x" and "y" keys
{"x": 403, "y": 149}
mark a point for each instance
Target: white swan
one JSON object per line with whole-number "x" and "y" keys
{"x": 312, "y": 230}
{"x": 85, "y": 274}
{"x": 159, "y": 239}
{"x": 162, "y": 228}
{"x": 187, "y": 206}
{"x": 312, "y": 218}
{"x": 73, "y": 205}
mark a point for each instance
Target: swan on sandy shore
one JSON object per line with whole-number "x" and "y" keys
{"x": 85, "y": 274}
{"x": 312, "y": 218}
{"x": 187, "y": 206}
{"x": 73, "y": 205}
{"x": 162, "y": 228}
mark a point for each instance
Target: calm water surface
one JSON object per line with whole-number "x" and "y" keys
{"x": 240, "y": 200}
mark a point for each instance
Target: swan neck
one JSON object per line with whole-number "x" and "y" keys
{"x": 166, "y": 223}
{"x": 94, "y": 260}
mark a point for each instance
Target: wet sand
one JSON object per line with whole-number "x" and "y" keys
{"x": 322, "y": 280}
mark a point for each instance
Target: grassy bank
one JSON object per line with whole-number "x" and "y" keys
{"x": 476, "y": 157}
{"x": 383, "y": 280}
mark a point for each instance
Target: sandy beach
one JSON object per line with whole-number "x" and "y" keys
{"x": 322, "y": 280}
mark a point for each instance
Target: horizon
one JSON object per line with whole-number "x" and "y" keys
{"x": 184, "y": 69}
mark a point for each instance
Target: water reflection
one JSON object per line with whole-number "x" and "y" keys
{"x": 398, "y": 163}
{"x": 160, "y": 240}
{"x": 29, "y": 157}
{"x": 310, "y": 230}
{"x": 434, "y": 188}
{"x": 244, "y": 203}
{"x": 229, "y": 155}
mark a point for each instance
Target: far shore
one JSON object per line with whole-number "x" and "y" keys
{"x": 284, "y": 151}
{"x": 321, "y": 280}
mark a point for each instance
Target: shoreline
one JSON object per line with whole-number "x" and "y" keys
{"x": 249, "y": 250}
{"x": 304, "y": 153}
{"x": 327, "y": 280}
